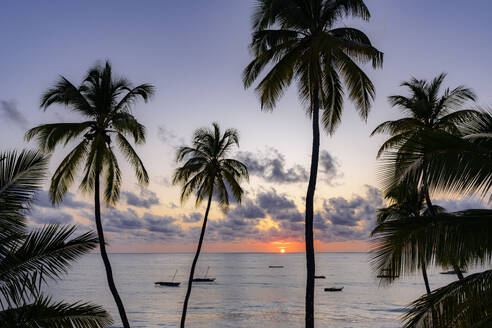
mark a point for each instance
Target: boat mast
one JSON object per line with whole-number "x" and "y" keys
{"x": 175, "y": 274}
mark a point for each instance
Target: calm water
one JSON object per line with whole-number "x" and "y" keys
{"x": 246, "y": 293}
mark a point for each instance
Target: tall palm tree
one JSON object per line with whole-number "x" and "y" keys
{"x": 426, "y": 109}
{"x": 28, "y": 260}
{"x": 106, "y": 104}
{"x": 456, "y": 165}
{"x": 298, "y": 40}
{"x": 208, "y": 173}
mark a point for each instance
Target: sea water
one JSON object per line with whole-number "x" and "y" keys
{"x": 246, "y": 293}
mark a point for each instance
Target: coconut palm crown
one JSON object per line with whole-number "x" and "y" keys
{"x": 106, "y": 104}
{"x": 299, "y": 41}
{"x": 426, "y": 107}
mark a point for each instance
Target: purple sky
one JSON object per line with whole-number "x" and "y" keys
{"x": 194, "y": 53}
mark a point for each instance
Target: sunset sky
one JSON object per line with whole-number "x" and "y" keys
{"x": 194, "y": 53}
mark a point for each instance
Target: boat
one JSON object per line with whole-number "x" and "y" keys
{"x": 171, "y": 283}
{"x": 333, "y": 289}
{"x": 204, "y": 279}
{"x": 275, "y": 266}
{"x": 319, "y": 277}
{"x": 167, "y": 283}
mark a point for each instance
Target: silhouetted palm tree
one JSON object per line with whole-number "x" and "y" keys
{"x": 28, "y": 260}
{"x": 404, "y": 202}
{"x": 442, "y": 239}
{"x": 427, "y": 109}
{"x": 207, "y": 172}
{"x": 106, "y": 105}
{"x": 298, "y": 40}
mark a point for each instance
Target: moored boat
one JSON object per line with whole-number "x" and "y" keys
{"x": 167, "y": 283}
{"x": 171, "y": 283}
{"x": 204, "y": 278}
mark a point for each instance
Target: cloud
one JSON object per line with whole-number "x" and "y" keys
{"x": 145, "y": 199}
{"x": 9, "y": 111}
{"x": 115, "y": 220}
{"x": 42, "y": 199}
{"x": 161, "y": 224}
{"x": 149, "y": 226}
{"x": 247, "y": 210}
{"x": 192, "y": 218}
{"x": 272, "y": 167}
{"x": 274, "y": 203}
{"x": 465, "y": 203}
{"x": 349, "y": 219}
{"x": 338, "y": 219}
{"x": 329, "y": 167}
{"x": 49, "y": 216}
{"x": 168, "y": 136}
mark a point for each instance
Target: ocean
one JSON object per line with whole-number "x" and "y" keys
{"x": 246, "y": 293}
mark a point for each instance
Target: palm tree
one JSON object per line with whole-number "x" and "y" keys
{"x": 457, "y": 165}
{"x": 442, "y": 239}
{"x": 426, "y": 109}
{"x": 106, "y": 105}
{"x": 298, "y": 40}
{"x": 208, "y": 173}
{"x": 28, "y": 260}
{"x": 405, "y": 202}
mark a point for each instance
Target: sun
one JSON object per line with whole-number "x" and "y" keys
{"x": 282, "y": 250}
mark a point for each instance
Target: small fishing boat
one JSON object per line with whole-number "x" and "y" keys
{"x": 319, "y": 277}
{"x": 275, "y": 266}
{"x": 204, "y": 279}
{"x": 171, "y": 283}
{"x": 333, "y": 289}
{"x": 167, "y": 283}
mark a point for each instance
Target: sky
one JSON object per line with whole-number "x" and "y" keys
{"x": 194, "y": 53}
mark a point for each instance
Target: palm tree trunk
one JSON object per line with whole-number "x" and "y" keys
{"x": 432, "y": 212}
{"x": 104, "y": 255}
{"x": 195, "y": 260}
{"x": 308, "y": 229}
{"x": 426, "y": 279}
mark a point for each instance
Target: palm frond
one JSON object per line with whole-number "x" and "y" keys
{"x": 44, "y": 312}
{"x": 21, "y": 176}
{"x": 463, "y": 303}
{"x": 64, "y": 175}
{"x": 65, "y": 93}
{"x": 135, "y": 161}
{"x": 48, "y": 136}
{"x": 44, "y": 253}
{"x": 445, "y": 239}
